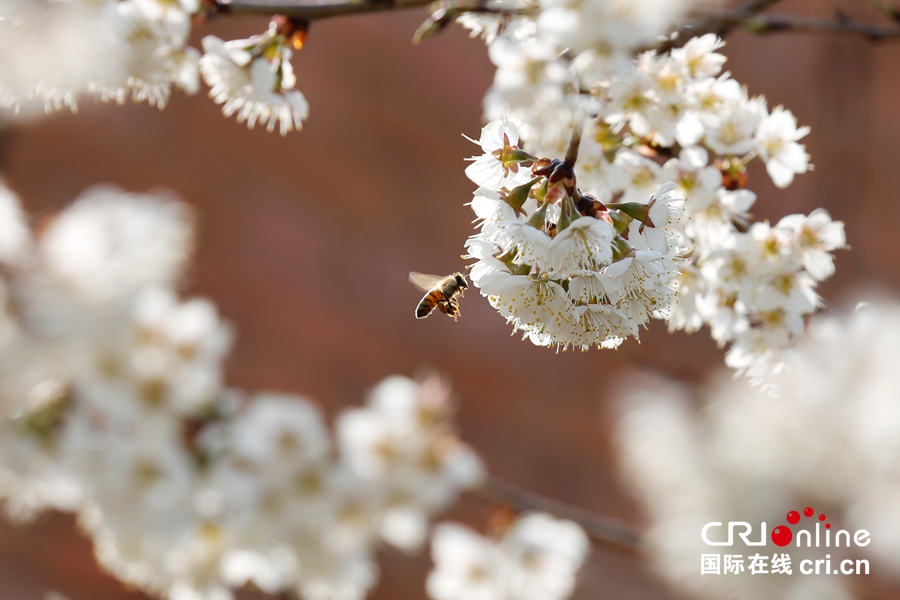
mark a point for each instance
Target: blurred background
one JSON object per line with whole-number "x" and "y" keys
{"x": 305, "y": 243}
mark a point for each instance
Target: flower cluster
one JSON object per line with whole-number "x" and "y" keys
{"x": 112, "y": 406}
{"x": 254, "y": 79}
{"x": 535, "y": 557}
{"x": 829, "y": 440}
{"x": 653, "y": 119}
{"x": 556, "y": 59}
{"x": 152, "y": 41}
{"x": 755, "y": 289}
{"x": 562, "y": 266}
{"x": 137, "y": 49}
{"x": 54, "y": 52}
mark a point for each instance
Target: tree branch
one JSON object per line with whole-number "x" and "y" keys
{"x": 603, "y": 530}
{"x": 755, "y": 6}
{"x": 718, "y": 24}
{"x": 746, "y": 16}
{"x": 766, "y": 24}
{"x": 311, "y": 10}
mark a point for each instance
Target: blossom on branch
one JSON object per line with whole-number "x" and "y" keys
{"x": 650, "y": 119}
{"x": 114, "y": 50}
{"x": 536, "y": 558}
{"x": 562, "y": 267}
{"x": 254, "y": 79}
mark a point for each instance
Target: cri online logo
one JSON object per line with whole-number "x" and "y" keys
{"x": 782, "y": 535}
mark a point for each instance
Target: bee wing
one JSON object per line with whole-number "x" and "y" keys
{"x": 423, "y": 281}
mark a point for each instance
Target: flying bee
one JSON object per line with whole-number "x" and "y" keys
{"x": 442, "y": 293}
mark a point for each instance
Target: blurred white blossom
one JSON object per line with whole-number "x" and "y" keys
{"x": 54, "y": 52}
{"x": 113, "y": 406}
{"x": 536, "y": 558}
{"x": 109, "y": 244}
{"x": 733, "y": 453}
{"x": 118, "y": 50}
{"x": 152, "y": 37}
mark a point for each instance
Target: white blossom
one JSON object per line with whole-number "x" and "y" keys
{"x": 776, "y": 139}
{"x": 567, "y": 278}
{"x": 491, "y": 170}
{"x": 753, "y": 285}
{"x": 731, "y": 452}
{"x": 51, "y": 53}
{"x": 254, "y": 79}
{"x": 15, "y": 237}
{"x": 113, "y": 407}
{"x": 151, "y": 35}
{"x": 539, "y": 556}
{"x": 108, "y": 244}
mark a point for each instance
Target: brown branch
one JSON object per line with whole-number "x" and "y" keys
{"x": 766, "y": 24}
{"x": 720, "y": 24}
{"x": 746, "y": 16}
{"x": 755, "y": 6}
{"x": 603, "y": 530}
{"x": 310, "y": 10}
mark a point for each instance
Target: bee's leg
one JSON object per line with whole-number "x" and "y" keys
{"x": 453, "y": 309}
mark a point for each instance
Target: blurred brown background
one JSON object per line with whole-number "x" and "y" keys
{"x": 305, "y": 243}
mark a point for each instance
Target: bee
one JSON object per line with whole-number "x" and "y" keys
{"x": 442, "y": 293}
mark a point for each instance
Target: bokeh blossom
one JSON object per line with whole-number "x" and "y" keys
{"x": 113, "y": 407}
{"x": 535, "y": 557}
{"x": 731, "y": 452}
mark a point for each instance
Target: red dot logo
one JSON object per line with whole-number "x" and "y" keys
{"x": 821, "y": 517}
{"x": 782, "y": 535}
{"x": 793, "y": 517}
{"x": 808, "y": 511}
{"x": 827, "y": 525}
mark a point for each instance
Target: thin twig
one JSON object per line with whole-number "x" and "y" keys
{"x": 765, "y": 24}
{"x": 755, "y": 6}
{"x": 720, "y": 24}
{"x": 744, "y": 10}
{"x": 603, "y": 530}
{"x": 746, "y": 16}
{"x": 311, "y": 10}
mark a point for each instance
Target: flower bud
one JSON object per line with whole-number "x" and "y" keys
{"x": 568, "y": 213}
{"x": 539, "y": 217}
{"x": 519, "y": 195}
{"x": 620, "y": 221}
{"x": 621, "y": 248}
{"x": 636, "y": 210}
